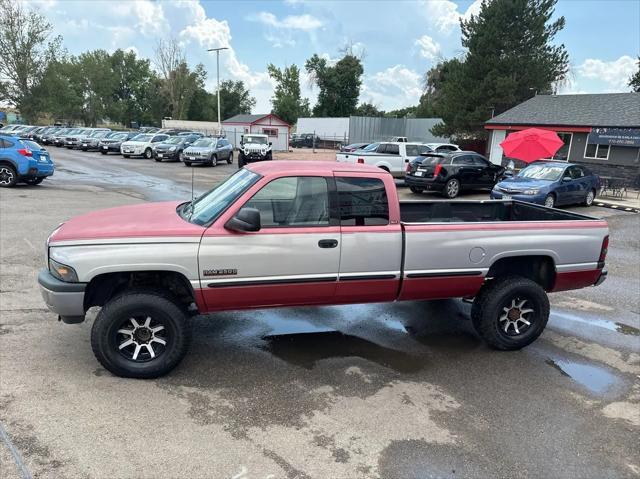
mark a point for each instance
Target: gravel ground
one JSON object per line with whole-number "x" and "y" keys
{"x": 383, "y": 390}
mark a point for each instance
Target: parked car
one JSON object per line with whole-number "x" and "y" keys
{"x": 39, "y": 136}
{"x": 254, "y": 147}
{"x": 550, "y": 183}
{"x": 24, "y": 161}
{"x": 112, "y": 142}
{"x": 49, "y": 137}
{"x": 10, "y": 128}
{"x": 391, "y": 157}
{"x": 303, "y": 140}
{"x": 142, "y": 145}
{"x": 270, "y": 236}
{"x": 92, "y": 141}
{"x": 75, "y": 140}
{"x": 173, "y": 147}
{"x": 353, "y": 147}
{"x": 61, "y": 137}
{"x": 443, "y": 147}
{"x": 208, "y": 151}
{"x": 450, "y": 173}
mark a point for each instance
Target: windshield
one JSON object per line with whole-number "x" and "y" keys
{"x": 542, "y": 172}
{"x": 203, "y": 142}
{"x": 209, "y": 206}
{"x": 118, "y": 136}
{"x": 261, "y": 140}
{"x": 142, "y": 138}
{"x": 99, "y": 134}
{"x": 174, "y": 140}
{"x": 371, "y": 147}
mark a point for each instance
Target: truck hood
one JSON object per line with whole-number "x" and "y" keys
{"x": 149, "y": 220}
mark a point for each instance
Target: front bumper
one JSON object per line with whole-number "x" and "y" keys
{"x": 165, "y": 155}
{"x": 64, "y": 299}
{"x": 537, "y": 199}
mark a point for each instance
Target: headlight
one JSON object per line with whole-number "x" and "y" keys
{"x": 62, "y": 272}
{"x": 531, "y": 192}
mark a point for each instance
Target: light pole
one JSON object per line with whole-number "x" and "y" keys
{"x": 217, "y": 50}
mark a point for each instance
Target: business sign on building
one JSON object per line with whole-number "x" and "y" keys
{"x": 615, "y": 136}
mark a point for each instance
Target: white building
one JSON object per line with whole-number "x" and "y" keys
{"x": 267, "y": 124}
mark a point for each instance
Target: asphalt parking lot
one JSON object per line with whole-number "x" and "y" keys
{"x": 383, "y": 390}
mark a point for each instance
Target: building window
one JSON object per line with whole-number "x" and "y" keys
{"x": 597, "y": 152}
{"x": 563, "y": 152}
{"x": 270, "y": 131}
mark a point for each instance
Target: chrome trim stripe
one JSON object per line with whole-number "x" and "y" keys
{"x": 363, "y": 275}
{"x": 564, "y": 268}
{"x": 424, "y": 273}
{"x": 265, "y": 282}
{"x": 288, "y": 279}
{"x": 129, "y": 240}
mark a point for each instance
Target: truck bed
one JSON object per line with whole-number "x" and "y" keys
{"x": 481, "y": 212}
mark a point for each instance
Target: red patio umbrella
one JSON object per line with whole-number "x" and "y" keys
{"x": 531, "y": 144}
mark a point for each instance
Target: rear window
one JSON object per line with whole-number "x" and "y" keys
{"x": 433, "y": 160}
{"x": 362, "y": 202}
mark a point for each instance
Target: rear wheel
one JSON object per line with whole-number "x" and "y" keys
{"x": 159, "y": 160}
{"x": 140, "y": 335}
{"x": 230, "y": 159}
{"x": 126, "y": 156}
{"x": 103, "y": 152}
{"x": 510, "y": 312}
{"x": 550, "y": 201}
{"x": 416, "y": 190}
{"x": 591, "y": 195}
{"x": 8, "y": 176}
{"x": 452, "y": 188}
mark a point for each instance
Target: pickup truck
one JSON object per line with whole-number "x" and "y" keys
{"x": 293, "y": 233}
{"x": 392, "y": 157}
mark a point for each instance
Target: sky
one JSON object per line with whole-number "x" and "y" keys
{"x": 398, "y": 40}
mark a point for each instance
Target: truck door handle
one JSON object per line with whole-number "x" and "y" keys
{"x": 328, "y": 243}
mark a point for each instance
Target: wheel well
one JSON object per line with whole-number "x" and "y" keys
{"x": 384, "y": 168}
{"x": 540, "y": 269}
{"x": 105, "y": 286}
{"x": 8, "y": 163}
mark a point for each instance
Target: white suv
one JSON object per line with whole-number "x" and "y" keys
{"x": 142, "y": 145}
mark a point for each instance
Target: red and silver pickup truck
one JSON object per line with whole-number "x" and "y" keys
{"x": 309, "y": 233}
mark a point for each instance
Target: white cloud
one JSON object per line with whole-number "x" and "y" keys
{"x": 444, "y": 14}
{"x": 429, "y": 48}
{"x": 614, "y": 73}
{"x": 395, "y": 87}
{"x": 304, "y": 22}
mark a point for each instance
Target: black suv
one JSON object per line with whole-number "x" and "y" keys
{"x": 450, "y": 173}
{"x": 173, "y": 147}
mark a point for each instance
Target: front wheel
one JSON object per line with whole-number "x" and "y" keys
{"x": 241, "y": 162}
{"x": 103, "y": 152}
{"x": 148, "y": 153}
{"x": 452, "y": 188}
{"x": 591, "y": 196}
{"x": 187, "y": 163}
{"x": 416, "y": 190}
{"x": 510, "y": 312}
{"x": 230, "y": 159}
{"x": 550, "y": 201}
{"x": 213, "y": 161}
{"x": 140, "y": 335}
{"x": 126, "y": 156}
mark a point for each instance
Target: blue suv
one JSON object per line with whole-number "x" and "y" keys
{"x": 23, "y": 160}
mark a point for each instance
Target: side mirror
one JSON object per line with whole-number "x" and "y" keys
{"x": 247, "y": 219}
{"x": 270, "y": 143}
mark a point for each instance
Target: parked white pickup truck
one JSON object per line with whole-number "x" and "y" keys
{"x": 389, "y": 156}
{"x": 289, "y": 233}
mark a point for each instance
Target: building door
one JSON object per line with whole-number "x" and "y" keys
{"x": 495, "y": 154}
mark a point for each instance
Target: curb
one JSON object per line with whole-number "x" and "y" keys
{"x": 613, "y": 206}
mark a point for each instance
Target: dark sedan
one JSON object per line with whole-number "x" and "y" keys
{"x": 353, "y": 147}
{"x": 550, "y": 183}
{"x": 450, "y": 173}
{"x": 173, "y": 147}
{"x": 111, "y": 143}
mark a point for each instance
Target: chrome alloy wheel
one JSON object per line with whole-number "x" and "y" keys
{"x": 516, "y": 318}
{"x": 140, "y": 340}
{"x": 590, "y": 197}
{"x": 6, "y": 176}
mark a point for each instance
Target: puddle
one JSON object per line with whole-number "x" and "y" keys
{"x": 305, "y": 349}
{"x": 280, "y": 326}
{"x": 598, "y": 322}
{"x": 596, "y": 379}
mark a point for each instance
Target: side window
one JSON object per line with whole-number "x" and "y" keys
{"x": 393, "y": 149}
{"x": 462, "y": 160}
{"x": 362, "y": 202}
{"x": 445, "y": 148}
{"x": 575, "y": 172}
{"x": 382, "y": 148}
{"x": 479, "y": 161}
{"x": 293, "y": 201}
{"x": 412, "y": 150}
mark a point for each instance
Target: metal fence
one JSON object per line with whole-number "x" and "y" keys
{"x": 364, "y": 129}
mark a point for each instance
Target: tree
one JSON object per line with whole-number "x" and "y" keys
{"x": 407, "y": 112}
{"x": 510, "y": 55}
{"x": 368, "y": 109}
{"x": 634, "y": 81}
{"x": 234, "y": 99}
{"x": 287, "y": 101}
{"x": 26, "y": 51}
{"x": 339, "y": 84}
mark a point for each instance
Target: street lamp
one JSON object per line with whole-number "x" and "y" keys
{"x": 217, "y": 50}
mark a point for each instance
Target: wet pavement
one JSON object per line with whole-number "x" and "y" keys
{"x": 402, "y": 390}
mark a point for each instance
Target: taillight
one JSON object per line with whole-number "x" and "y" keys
{"x": 604, "y": 250}
{"x": 25, "y": 152}
{"x": 361, "y": 161}
{"x": 437, "y": 170}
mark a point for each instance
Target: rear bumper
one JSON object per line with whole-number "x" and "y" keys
{"x": 603, "y": 276}
{"x": 425, "y": 183}
{"x": 64, "y": 299}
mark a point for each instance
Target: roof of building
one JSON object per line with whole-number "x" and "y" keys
{"x": 251, "y": 118}
{"x": 602, "y": 109}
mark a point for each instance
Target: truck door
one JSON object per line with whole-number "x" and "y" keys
{"x": 293, "y": 258}
{"x": 371, "y": 253}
